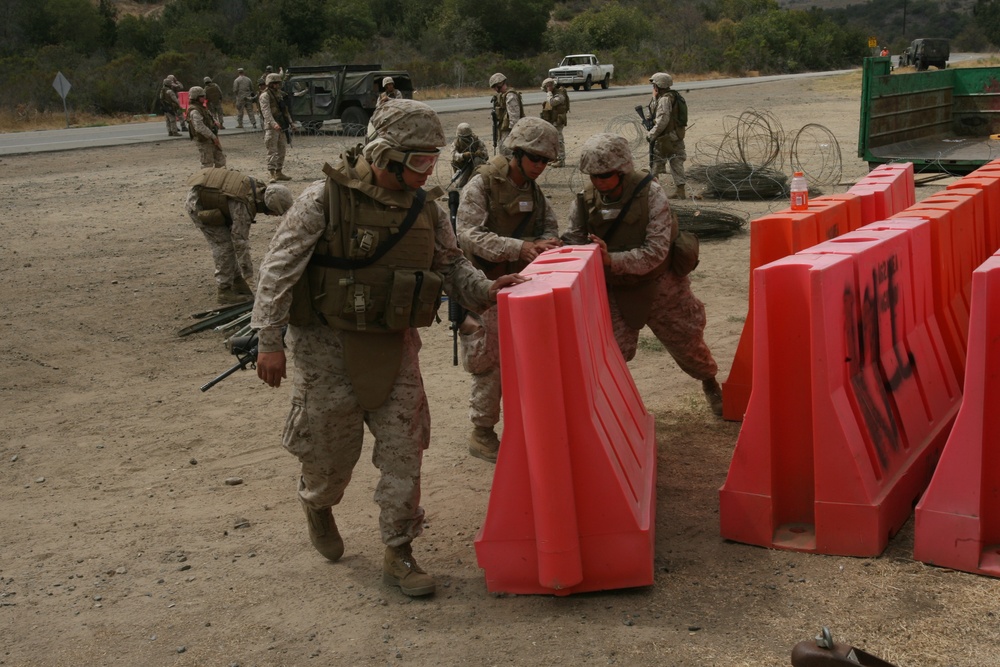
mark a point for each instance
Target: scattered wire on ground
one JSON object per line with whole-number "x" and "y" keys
{"x": 737, "y": 180}
{"x": 816, "y": 153}
{"x": 630, "y": 127}
{"x": 708, "y": 223}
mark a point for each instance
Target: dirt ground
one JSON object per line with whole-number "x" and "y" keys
{"x": 123, "y": 545}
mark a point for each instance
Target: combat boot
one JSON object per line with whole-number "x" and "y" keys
{"x": 274, "y": 175}
{"x": 323, "y": 532}
{"x": 240, "y": 286}
{"x": 281, "y": 177}
{"x": 239, "y": 126}
{"x": 679, "y": 193}
{"x": 226, "y": 296}
{"x": 401, "y": 569}
{"x": 484, "y": 443}
{"x": 713, "y": 394}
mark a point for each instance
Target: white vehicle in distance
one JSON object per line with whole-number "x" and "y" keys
{"x": 582, "y": 69}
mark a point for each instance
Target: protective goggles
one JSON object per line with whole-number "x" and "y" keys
{"x": 418, "y": 161}
{"x": 537, "y": 159}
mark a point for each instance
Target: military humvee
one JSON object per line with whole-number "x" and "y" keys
{"x": 347, "y": 92}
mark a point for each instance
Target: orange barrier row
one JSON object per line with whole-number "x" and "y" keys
{"x": 885, "y": 190}
{"x": 572, "y": 505}
{"x": 851, "y": 401}
{"x": 958, "y": 519}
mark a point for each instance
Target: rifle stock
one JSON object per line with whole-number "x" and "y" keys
{"x": 456, "y": 313}
{"x": 496, "y": 129}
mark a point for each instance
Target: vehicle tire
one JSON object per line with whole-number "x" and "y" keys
{"x": 920, "y": 66}
{"x": 576, "y": 86}
{"x": 354, "y": 116}
{"x": 588, "y": 84}
{"x": 606, "y": 82}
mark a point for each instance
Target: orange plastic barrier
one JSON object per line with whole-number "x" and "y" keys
{"x": 877, "y": 201}
{"x": 991, "y": 190}
{"x": 846, "y": 419}
{"x": 899, "y": 176}
{"x": 182, "y": 97}
{"x": 958, "y": 519}
{"x": 572, "y": 505}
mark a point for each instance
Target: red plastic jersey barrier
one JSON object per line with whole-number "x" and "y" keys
{"x": 572, "y": 505}
{"x": 958, "y": 519}
{"x": 847, "y": 417}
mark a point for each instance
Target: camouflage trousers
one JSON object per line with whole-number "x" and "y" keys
{"x": 481, "y": 358}
{"x": 171, "y": 119}
{"x": 276, "y": 145}
{"x": 677, "y": 318}
{"x": 211, "y": 155}
{"x": 216, "y": 110}
{"x": 243, "y": 105}
{"x": 669, "y": 151}
{"x": 561, "y": 159}
{"x": 325, "y": 430}
{"x": 230, "y": 244}
{"x": 501, "y": 146}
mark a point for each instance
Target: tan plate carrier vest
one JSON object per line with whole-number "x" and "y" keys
{"x": 219, "y": 187}
{"x": 500, "y": 106}
{"x": 633, "y": 294}
{"x": 508, "y": 215}
{"x": 372, "y": 302}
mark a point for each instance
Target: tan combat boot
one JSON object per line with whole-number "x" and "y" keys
{"x": 679, "y": 193}
{"x": 484, "y": 443}
{"x": 713, "y": 394}
{"x": 279, "y": 175}
{"x": 226, "y": 296}
{"x": 400, "y": 569}
{"x": 323, "y": 532}
{"x": 240, "y": 286}
{"x": 274, "y": 175}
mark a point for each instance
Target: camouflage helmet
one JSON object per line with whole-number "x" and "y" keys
{"x": 464, "y": 130}
{"x": 196, "y": 92}
{"x": 207, "y": 79}
{"x": 239, "y": 69}
{"x": 166, "y": 82}
{"x": 278, "y": 198}
{"x": 272, "y": 78}
{"x": 387, "y": 80}
{"x": 603, "y": 153}
{"x": 408, "y": 124}
{"x": 497, "y": 79}
{"x": 547, "y": 82}
{"x": 268, "y": 69}
{"x": 662, "y": 80}
{"x": 535, "y": 136}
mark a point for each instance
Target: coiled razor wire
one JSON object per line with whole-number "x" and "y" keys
{"x": 816, "y": 153}
{"x": 708, "y": 223}
{"x": 630, "y": 127}
{"x": 740, "y": 181}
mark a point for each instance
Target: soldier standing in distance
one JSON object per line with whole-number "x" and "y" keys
{"x": 627, "y": 214}
{"x": 359, "y": 366}
{"x": 213, "y": 98}
{"x": 277, "y": 119}
{"x": 554, "y": 110}
{"x": 243, "y": 95}
{"x": 504, "y": 222}
{"x": 223, "y": 203}
{"x": 507, "y": 108}
{"x": 667, "y": 135}
{"x": 178, "y": 87}
{"x": 171, "y": 107}
{"x": 203, "y": 128}
{"x": 468, "y": 154}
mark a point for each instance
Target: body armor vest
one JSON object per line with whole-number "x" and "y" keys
{"x": 500, "y": 106}
{"x": 513, "y": 212}
{"x": 634, "y": 294}
{"x": 279, "y": 107}
{"x": 206, "y": 117}
{"x": 470, "y": 144}
{"x": 220, "y": 186}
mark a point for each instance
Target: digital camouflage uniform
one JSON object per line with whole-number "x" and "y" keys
{"x": 667, "y": 138}
{"x": 480, "y": 234}
{"x": 467, "y": 144}
{"x": 203, "y": 129}
{"x": 342, "y": 379}
{"x": 171, "y": 106}
{"x": 274, "y": 112}
{"x": 243, "y": 95}
{"x": 509, "y": 109}
{"x": 213, "y": 96}
{"x": 555, "y": 110}
{"x": 642, "y": 290}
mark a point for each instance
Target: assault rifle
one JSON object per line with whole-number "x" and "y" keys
{"x": 648, "y": 124}
{"x": 243, "y": 348}
{"x": 456, "y": 313}
{"x": 496, "y": 129}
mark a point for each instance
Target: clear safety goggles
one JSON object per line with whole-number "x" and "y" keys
{"x": 418, "y": 161}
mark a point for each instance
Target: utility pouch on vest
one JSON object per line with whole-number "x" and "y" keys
{"x": 372, "y": 362}
{"x": 683, "y": 253}
{"x": 635, "y": 302}
{"x": 212, "y": 218}
{"x": 413, "y": 299}
{"x": 525, "y": 203}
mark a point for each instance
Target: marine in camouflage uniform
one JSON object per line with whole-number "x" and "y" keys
{"x": 508, "y": 109}
{"x": 213, "y": 94}
{"x": 277, "y": 119}
{"x": 178, "y": 87}
{"x": 503, "y": 222}
{"x": 171, "y": 106}
{"x": 204, "y": 130}
{"x": 555, "y": 110}
{"x": 243, "y": 95}
{"x": 635, "y": 245}
{"x": 355, "y": 356}
{"x": 667, "y": 136}
{"x": 223, "y": 203}
{"x": 389, "y": 91}
{"x": 468, "y": 153}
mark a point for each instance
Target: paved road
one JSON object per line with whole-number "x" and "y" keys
{"x": 16, "y": 143}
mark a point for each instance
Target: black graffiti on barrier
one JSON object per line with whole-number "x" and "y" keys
{"x": 864, "y": 339}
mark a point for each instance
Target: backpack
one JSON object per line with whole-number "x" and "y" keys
{"x": 680, "y": 109}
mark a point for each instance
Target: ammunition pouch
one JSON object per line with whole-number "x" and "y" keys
{"x": 212, "y": 218}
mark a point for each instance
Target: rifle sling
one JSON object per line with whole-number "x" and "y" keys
{"x": 621, "y": 214}
{"x": 419, "y": 196}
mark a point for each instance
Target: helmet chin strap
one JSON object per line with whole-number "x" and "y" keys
{"x": 396, "y": 169}
{"x": 519, "y": 162}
